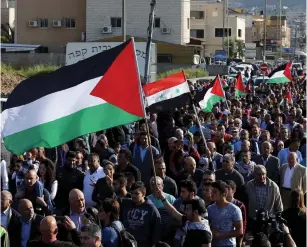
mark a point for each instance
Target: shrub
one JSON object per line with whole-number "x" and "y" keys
{"x": 29, "y": 71}
{"x": 189, "y": 73}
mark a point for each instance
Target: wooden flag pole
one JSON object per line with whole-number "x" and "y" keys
{"x": 197, "y": 118}
{"x": 143, "y": 99}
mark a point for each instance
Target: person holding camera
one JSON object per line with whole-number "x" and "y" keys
{"x": 262, "y": 193}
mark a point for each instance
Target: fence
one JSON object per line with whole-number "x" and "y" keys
{"x": 18, "y": 60}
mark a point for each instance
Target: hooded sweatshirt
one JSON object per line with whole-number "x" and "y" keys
{"x": 142, "y": 221}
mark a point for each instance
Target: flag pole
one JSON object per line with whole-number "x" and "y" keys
{"x": 149, "y": 40}
{"x": 223, "y": 92}
{"x": 144, "y": 110}
{"x": 197, "y": 118}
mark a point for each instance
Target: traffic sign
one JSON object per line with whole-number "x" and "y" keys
{"x": 264, "y": 67}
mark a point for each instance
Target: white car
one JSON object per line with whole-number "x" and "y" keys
{"x": 298, "y": 66}
{"x": 259, "y": 80}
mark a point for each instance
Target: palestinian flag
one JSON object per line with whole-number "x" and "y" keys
{"x": 287, "y": 97}
{"x": 212, "y": 96}
{"x": 224, "y": 83}
{"x": 239, "y": 87}
{"x": 282, "y": 74}
{"x": 168, "y": 93}
{"x": 97, "y": 93}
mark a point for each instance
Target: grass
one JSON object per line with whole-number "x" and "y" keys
{"x": 189, "y": 73}
{"x": 46, "y": 68}
{"x": 29, "y": 71}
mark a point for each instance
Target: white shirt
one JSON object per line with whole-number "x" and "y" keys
{"x": 288, "y": 177}
{"x": 4, "y": 176}
{"x": 54, "y": 188}
{"x": 5, "y": 217}
{"x": 88, "y": 184}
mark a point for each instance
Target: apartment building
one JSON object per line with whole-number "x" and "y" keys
{"x": 279, "y": 31}
{"x": 50, "y": 24}
{"x": 274, "y": 35}
{"x": 207, "y": 24}
{"x": 171, "y": 24}
{"x": 8, "y": 12}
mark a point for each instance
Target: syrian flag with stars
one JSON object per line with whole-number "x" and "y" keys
{"x": 168, "y": 93}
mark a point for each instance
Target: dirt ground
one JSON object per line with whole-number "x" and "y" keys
{"x": 9, "y": 82}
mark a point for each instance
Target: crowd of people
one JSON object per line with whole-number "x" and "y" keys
{"x": 167, "y": 185}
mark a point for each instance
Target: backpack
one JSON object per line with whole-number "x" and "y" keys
{"x": 126, "y": 239}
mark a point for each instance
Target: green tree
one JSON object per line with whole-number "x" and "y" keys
{"x": 7, "y": 33}
{"x": 239, "y": 48}
{"x": 232, "y": 47}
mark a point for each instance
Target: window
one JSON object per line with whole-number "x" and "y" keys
{"x": 188, "y": 22}
{"x": 43, "y": 23}
{"x": 197, "y": 33}
{"x": 164, "y": 58}
{"x": 219, "y": 32}
{"x": 157, "y": 22}
{"x": 239, "y": 33}
{"x": 197, "y": 14}
{"x": 116, "y": 21}
{"x": 70, "y": 23}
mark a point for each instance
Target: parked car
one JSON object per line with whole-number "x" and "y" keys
{"x": 259, "y": 80}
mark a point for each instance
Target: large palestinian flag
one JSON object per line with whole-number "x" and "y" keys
{"x": 212, "y": 96}
{"x": 98, "y": 93}
{"x": 281, "y": 74}
{"x": 168, "y": 93}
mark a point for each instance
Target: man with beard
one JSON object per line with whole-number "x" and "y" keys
{"x": 69, "y": 177}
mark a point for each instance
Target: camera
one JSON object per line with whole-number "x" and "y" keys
{"x": 270, "y": 225}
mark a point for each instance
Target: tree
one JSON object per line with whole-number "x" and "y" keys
{"x": 239, "y": 48}
{"x": 232, "y": 48}
{"x": 7, "y": 33}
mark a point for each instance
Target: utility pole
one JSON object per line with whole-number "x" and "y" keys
{"x": 149, "y": 40}
{"x": 223, "y": 39}
{"x": 124, "y": 22}
{"x": 264, "y": 29}
{"x": 295, "y": 40}
{"x": 227, "y": 16}
{"x": 280, "y": 29}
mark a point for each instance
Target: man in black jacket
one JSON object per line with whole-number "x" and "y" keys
{"x": 49, "y": 230}
{"x": 8, "y": 214}
{"x": 25, "y": 227}
{"x": 69, "y": 177}
{"x": 270, "y": 162}
{"x": 124, "y": 164}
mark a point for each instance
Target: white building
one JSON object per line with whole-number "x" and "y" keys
{"x": 8, "y": 12}
{"x": 207, "y": 24}
{"x": 172, "y": 20}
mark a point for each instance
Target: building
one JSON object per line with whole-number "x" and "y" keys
{"x": 104, "y": 20}
{"x": 50, "y": 24}
{"x": 207, "y": 24}
{"x": 171, "y": 31}
{"x": 279, "y": 32}
{"x": 8, "y": 15}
